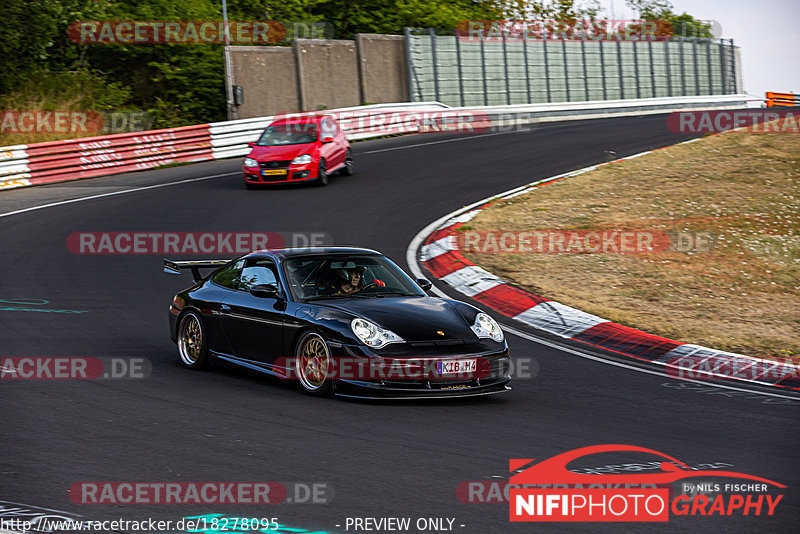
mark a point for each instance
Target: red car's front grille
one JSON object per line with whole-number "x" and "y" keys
{"x": 278, "y": 164}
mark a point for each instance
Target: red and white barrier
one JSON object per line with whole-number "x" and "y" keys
{"x": 58, "y": 161}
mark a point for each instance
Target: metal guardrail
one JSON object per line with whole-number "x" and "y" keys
{"x": 58, "y": 161}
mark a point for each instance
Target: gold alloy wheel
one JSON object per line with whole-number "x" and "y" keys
{"x": 190, "y": 340}
{"x": 313, "y": 362}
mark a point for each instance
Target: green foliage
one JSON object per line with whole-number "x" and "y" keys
{"x": 183, "y": 84}
{"x": 687, "y": 26}
{"x": 683, "y": 25}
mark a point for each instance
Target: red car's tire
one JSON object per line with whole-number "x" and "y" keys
{"x": 348, "y": 168}
{"x": 322, "y": 174}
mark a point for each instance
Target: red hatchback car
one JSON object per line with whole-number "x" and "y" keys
{"x": 301, "y": 149}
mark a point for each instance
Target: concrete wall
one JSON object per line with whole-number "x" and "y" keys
{"x": 328, "y": 74}
{"x": 269, "y": 77}
{"x": 318, "y": 74}
{"x": 383, "y": 68}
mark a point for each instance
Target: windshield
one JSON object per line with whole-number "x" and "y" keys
{"x": 348, "y": 276}
{"x": 288, "y": 134}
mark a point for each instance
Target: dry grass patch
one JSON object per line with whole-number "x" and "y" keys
{"x": 741, "y": 296}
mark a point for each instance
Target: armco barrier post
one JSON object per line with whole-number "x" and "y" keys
{"x": 505, "y": 69}
{"x": 634, "y": 46}
{"x": 435, "y": 63}
{"x": 652, "y": 67}
{"x": 601, "y": 45}
{"x": 298, "y": 62}
{"x": 734, "y": 86}
{"x": 708, "y": 68}
{"x": 409, "y": 64}
{"x": 566, "y": 72}
{"x": 619, "y": 64}
{"x": 722, "y": 66}
{"x": 683, "y": 69}
{"x": 483, "y": 71}
{"x": 585, "y": 68}
{"x": 527, "y": 69}
{"x": 669, "y": 67}
{"x": 546, "y": 70}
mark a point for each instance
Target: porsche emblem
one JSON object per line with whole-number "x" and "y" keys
{"x": 440, "y": 332}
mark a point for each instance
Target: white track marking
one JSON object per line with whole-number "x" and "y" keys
{"x": 536, "y": 339}
{"x": 414, "y": 267}
{"x": 113, "y": 193}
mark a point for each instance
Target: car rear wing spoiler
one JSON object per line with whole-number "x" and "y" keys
{"x": 175, "y": 267}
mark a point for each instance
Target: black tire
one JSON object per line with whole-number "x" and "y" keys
{"x": 249, "y": 186}
{"x": 322, "y": 174}
{"x": 313, "y": 364}
{"x": 192, "y": 341}
{"x": 349, "y": 166}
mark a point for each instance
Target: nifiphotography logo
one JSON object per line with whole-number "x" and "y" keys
{"x": 548, "y": 491}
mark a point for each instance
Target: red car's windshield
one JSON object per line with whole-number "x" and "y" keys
{"x": 288, "y": 134}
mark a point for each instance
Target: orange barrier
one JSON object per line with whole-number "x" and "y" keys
{"x": 782, "y": 99}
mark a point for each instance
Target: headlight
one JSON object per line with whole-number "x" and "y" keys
{"x": 485, "y": 326}
{"x": 373, "y": 335}
{"x": 250, "y": 162}
{"x": 302, "y": 160}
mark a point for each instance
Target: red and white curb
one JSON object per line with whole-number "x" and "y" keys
{"x": 436, "y": 248}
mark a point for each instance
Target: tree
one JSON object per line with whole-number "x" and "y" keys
{"x": 683, "y": 25}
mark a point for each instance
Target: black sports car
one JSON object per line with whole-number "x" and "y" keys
{"x": 338, "y": 320}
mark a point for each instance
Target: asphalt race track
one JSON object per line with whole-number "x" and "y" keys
{"x": 377, "y": 459}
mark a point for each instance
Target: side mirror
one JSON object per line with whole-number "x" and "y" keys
{"x": 251, "y": 144}
{"x": 266, "y": 291}
{"x": 424, "y": 284}
{"x": 327, "y": 140}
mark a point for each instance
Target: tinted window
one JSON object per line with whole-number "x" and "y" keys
{"x": 257, "y": 272}
{"x": 229, "y": 276}
{"x": 292, "y": 133}
{"x": 327, "y": 277}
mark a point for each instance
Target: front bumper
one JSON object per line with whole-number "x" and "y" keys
{"x": 294, "y": 174}
{"x": 413, "y": 373}
{"x": 371, "y": 390}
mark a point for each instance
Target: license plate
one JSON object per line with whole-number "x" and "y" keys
{"x": 274, "y": 172}
{"x": 456, "y": 367}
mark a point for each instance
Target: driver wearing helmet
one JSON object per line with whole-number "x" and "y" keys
{"x": 355, "y": 282}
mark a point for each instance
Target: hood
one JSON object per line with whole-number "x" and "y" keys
{"x": 280, "y": 152}
{"x": 411, "y": 318}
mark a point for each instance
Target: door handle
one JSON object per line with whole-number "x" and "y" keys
{"x": 225, "y": 307}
